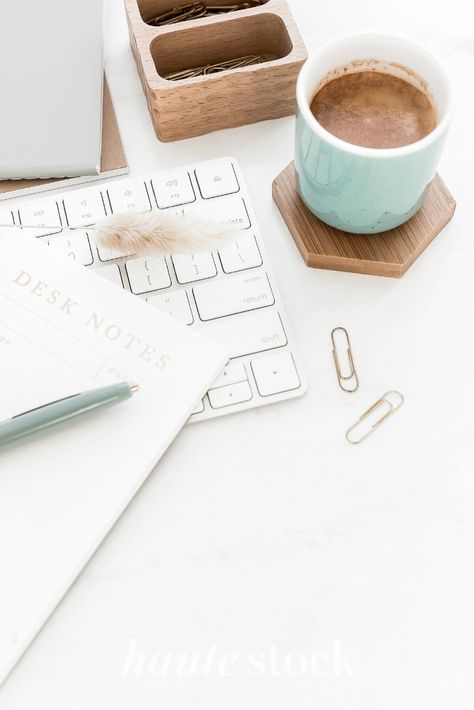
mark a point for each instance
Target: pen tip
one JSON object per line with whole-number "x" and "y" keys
{"x": 134, "y": 387}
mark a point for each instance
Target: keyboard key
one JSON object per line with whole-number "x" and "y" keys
{"x": 173, "y": 188}
{"x": 236, "y": 294}
{"x": 148, "y": 273}
{"x": 230, "y": 210}
{"x": 216, "y": 178}
{"x": 231, "y": 375}
{"x": 129, "y": 196}
{"x": 40, "y": 213}
{"x": 112, "y": 273}
{"x": 175, "y": 304}
{"x": 84, "y": 207}
{"x": 194, "y": 267}
{"x": 275, "y": 373}
{"x": 240, "y": 255}
{"x": 75, "y": 245}
{"x": 184, "y": 210}
{"x": 199, "y": 408}
{"x": 248, "y": 334}
{"x": 232, "y": 394}
{"x": 108, "y": 254}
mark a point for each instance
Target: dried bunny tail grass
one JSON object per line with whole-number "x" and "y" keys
{"x": 151, "y": 232}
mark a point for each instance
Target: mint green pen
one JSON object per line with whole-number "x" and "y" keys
{"x": 63, "y": 411}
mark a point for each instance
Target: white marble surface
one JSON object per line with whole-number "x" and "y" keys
{"x": 265, "y": 533}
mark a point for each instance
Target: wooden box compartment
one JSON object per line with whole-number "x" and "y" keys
{"x": 194, "y": 106}
{"x": 262, "y": 35}
{"x": 151, "y": 8}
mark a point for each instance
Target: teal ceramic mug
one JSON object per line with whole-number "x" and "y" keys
{"x": 358, "y": 189}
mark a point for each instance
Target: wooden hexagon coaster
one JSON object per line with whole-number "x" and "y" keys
{"x": 387, "y": 254}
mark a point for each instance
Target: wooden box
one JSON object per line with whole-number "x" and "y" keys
{"x": 194, "y": 106}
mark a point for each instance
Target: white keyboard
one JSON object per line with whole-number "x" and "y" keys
{"x": 230, "y": 294}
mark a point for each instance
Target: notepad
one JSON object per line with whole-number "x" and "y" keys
{"x": 65, "y": 329}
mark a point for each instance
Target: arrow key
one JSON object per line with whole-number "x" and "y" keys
{"x": 275, "y": 374}
{"x": 231, "y": 394}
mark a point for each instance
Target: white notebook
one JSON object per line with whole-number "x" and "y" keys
{"x": 65, "y": 329}
{"x": 51, "y": 58}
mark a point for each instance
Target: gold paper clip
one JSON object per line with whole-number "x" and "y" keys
{"x": 350, "y": 382}
{"x": 196, "y": 10}
{"x": 191, "y": 11}
{"x": 214, "y": 68}
{"x": 387, "y": 408}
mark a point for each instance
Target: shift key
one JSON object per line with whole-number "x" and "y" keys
{"x": 249, "y": 333}
{"x": 236, "y": 294}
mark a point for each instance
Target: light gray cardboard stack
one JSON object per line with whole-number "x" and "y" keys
{"x": 51, "y": 58}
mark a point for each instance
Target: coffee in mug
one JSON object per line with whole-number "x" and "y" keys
{"x": 373, "y": 109}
